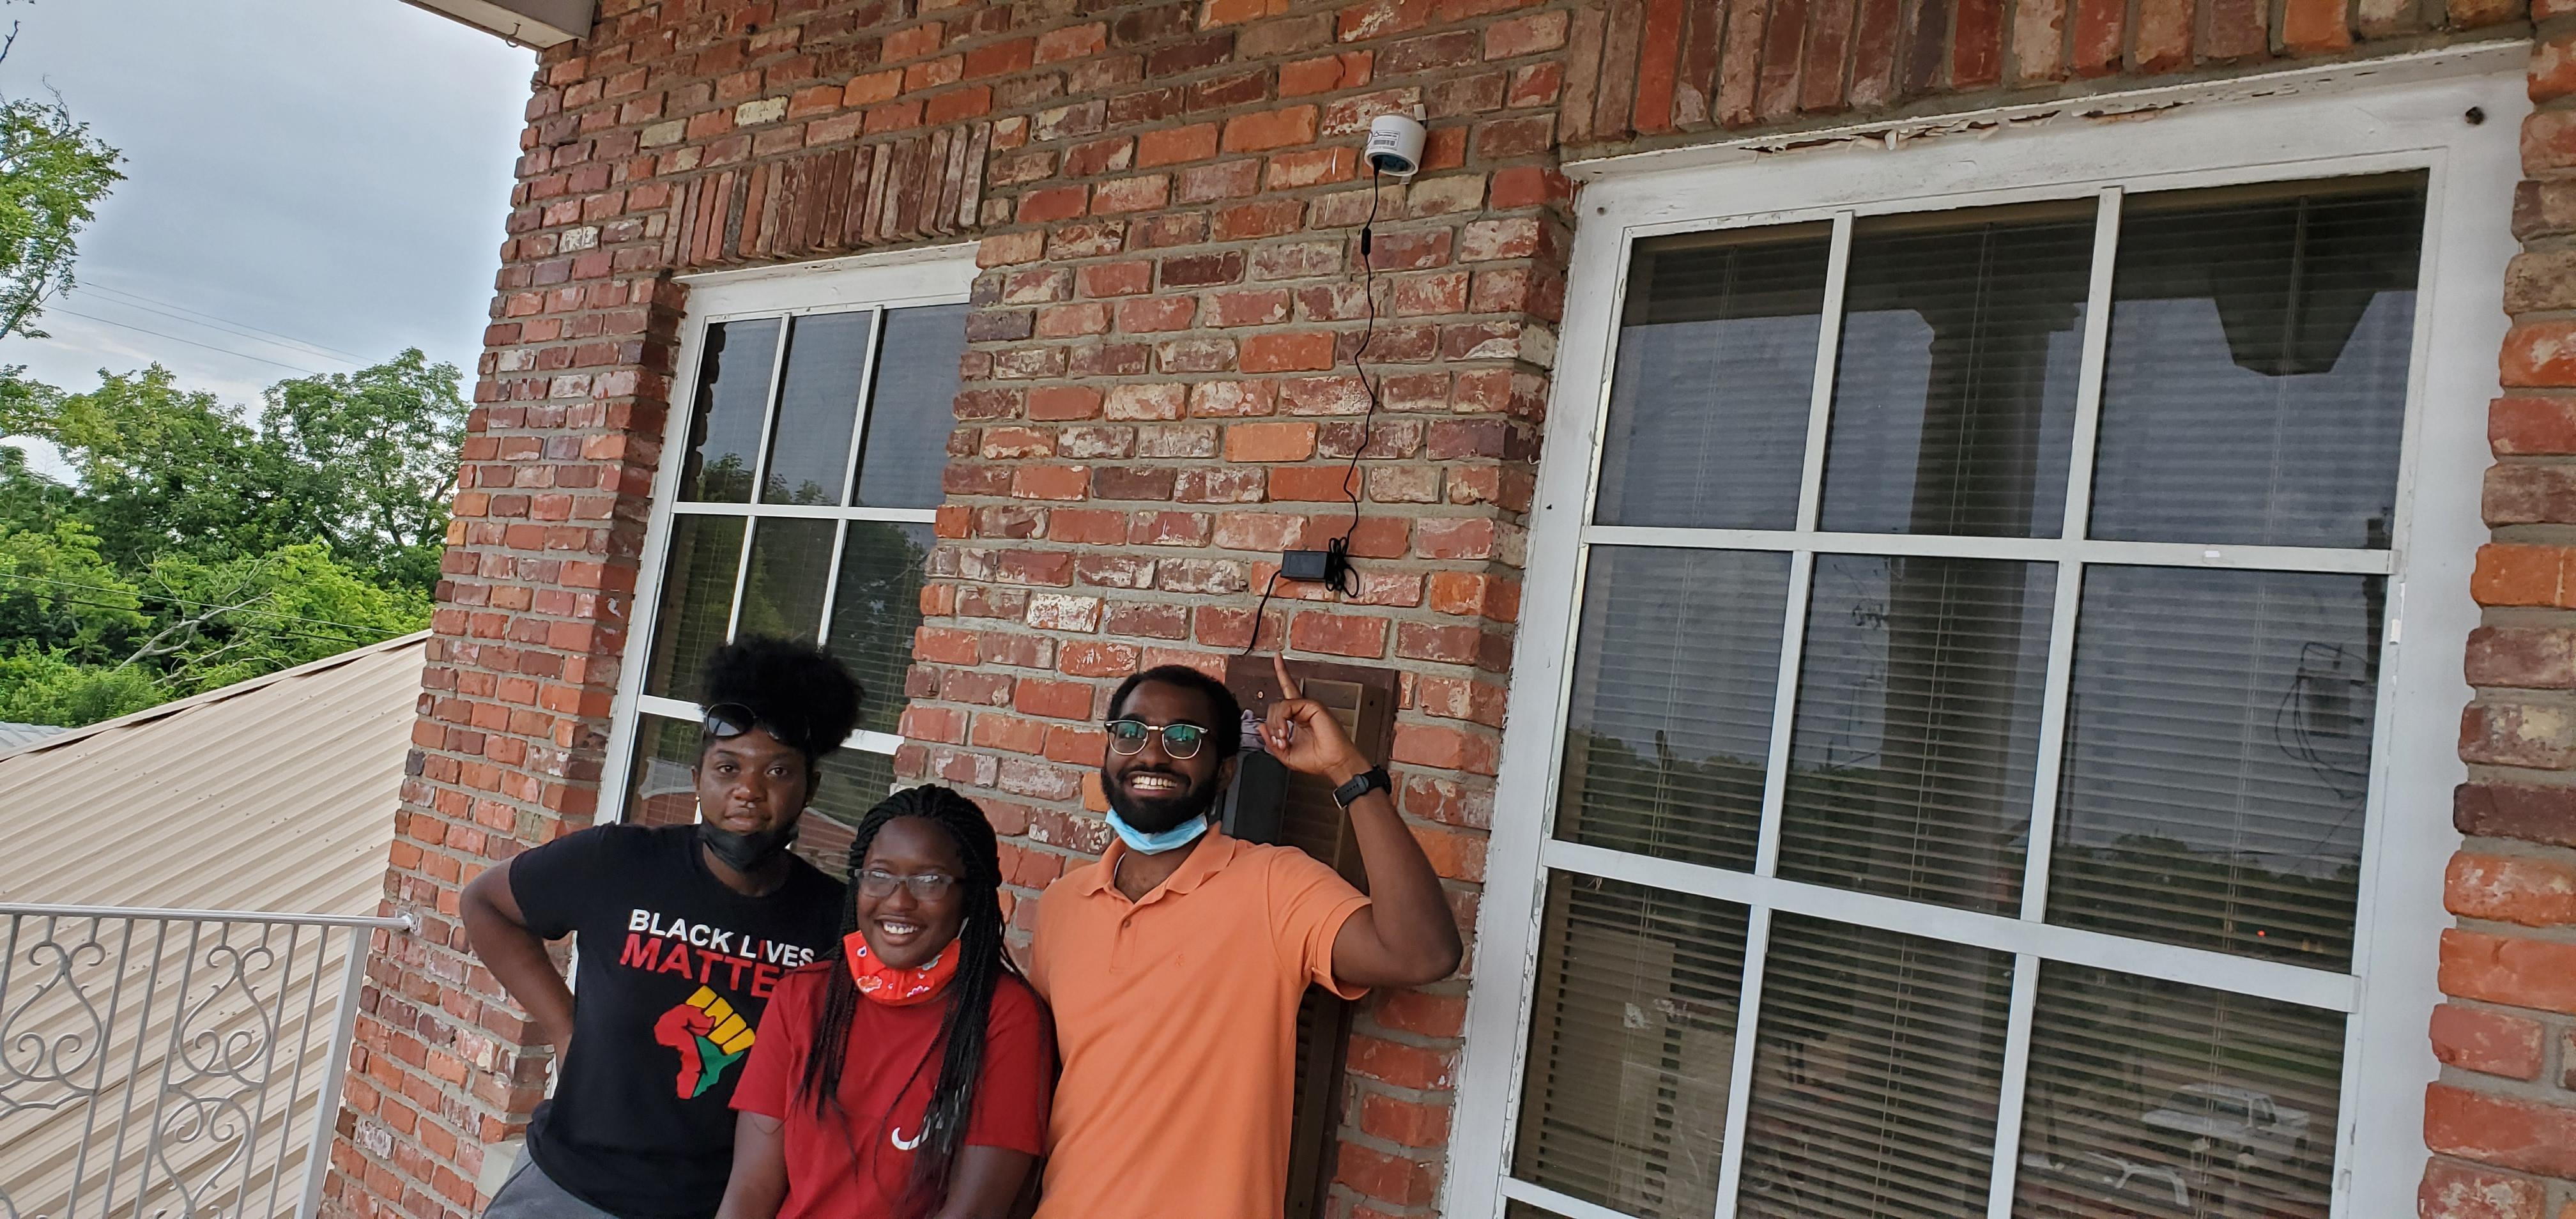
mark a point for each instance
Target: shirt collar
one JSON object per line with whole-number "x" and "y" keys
{"x": 1214, "y": 852}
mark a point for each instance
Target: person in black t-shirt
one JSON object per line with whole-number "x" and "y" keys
{"x": 682, "y": 932}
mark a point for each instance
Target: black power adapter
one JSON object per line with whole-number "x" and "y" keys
{"x": 1330, "y": 566}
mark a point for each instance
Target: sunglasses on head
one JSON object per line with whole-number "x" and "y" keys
{"x": 1180, "y": 741}
{"x": 725, "y": 721}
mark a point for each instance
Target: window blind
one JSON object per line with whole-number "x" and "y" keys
{"x": 1954, "y": 398}
{"x": 2218, "y": 759}
{"x": 1877, "y": 1071}
{"x": 876, "y": 607}
{"x": 2256, "y": 381}
{"x": 2157, "y": 1098}
{"x": 1669, "y": 728}
{"x": 1717, "y": 364}
{"x": 1632, "y": 1047}
{"x": 1917, "y": 730}
{"x": 697, "y": 598}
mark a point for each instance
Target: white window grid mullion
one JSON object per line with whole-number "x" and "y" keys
{"x": 811, "y": 512}
{"x": 867, "y": 400}
{"x": 769, "y": 411}
{"x": 741, "y": 576}
{"x": 2057, "y": 692}
{"x": 1564, "y": 1204}
{"x": 2093, "y": 369}
{"x": 1555, "y": 788}
{"x": 759, "y": 475}
{"x": 1784, "y": 712}
{"x": 2218, "y": 556}
{"x": 1820, "y": 391}
{"x": 645, "y": 609}
{"x": 2058, "y": 689}
{"x": 1739, "y": 1076}
{"x": 850, "y": 473}
{"x": 2202, "y": 967}
{"x": 2016, "y": 1079}
{"x": 689, "y": 712}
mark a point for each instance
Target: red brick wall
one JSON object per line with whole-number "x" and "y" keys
{"x": 2502, "y": 1121}
{"x": 1157, "y": 400}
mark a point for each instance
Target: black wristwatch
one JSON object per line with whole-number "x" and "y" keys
{"x": 1361, "y": 784}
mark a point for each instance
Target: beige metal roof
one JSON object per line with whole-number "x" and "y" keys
{"x": 169, "y": 1065}
{"x": 273, "y": 794}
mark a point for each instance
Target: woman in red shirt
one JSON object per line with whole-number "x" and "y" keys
{"x": 908, "y": 1074}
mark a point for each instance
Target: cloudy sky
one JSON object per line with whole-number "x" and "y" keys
{"x": 311, "y": 185}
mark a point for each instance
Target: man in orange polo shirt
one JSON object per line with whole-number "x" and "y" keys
{"x": 1175, "y": 964}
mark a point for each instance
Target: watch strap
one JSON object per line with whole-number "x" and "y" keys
{"x": 1373, "y": 779}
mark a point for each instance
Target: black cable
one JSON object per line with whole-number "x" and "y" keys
{"x": 1368, "y": 335}
{"x": 1257, "y": 612}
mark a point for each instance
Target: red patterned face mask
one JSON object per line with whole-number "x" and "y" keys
{"x": 883, "y": 983}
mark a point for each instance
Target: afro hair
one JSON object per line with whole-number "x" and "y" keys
{"x": 797, "y": 691}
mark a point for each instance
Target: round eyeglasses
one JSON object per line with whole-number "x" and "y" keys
{"x": 1180, "y": 741}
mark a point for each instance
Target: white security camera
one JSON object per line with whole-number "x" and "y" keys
{"x": 1394, "y": 146}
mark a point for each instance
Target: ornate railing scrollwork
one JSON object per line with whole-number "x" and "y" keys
{"x": 171, "y": 1064}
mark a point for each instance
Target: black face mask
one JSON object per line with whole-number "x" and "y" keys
{"x": 748, "y": 853}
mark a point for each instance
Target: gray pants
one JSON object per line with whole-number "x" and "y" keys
{"x": 531, "y": 1194}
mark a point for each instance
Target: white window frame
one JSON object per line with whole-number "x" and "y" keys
{"x": 2409, "y": 114}
{"x": 940, "y": 275}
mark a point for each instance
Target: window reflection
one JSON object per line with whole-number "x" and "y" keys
{"x": 1918, "y": 727}
{"x": 1954, "y": 400}
{"x": 2159, "y": 1099}
{"x": 1717, "y": 364}
{"x": 2260, "y": 344}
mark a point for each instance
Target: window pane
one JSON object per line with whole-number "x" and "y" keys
{"x": 1876, "y": 1075}
{"x": 875, "y": 610}
{"x": 854, "y": 781}
{"x": 1632, "y": 1046}
{"x": 2256, "y": 388}
{"x": 1716, "y": 366}
{"x": 1954, "y": 402}
{"x": 1670, "y": 724}
{"x": 732, "y": 398}
{"x": 782, "y": 596}
{"x": 818, "y": 404}
{"x": 2218, "y": 759}
{"x": 912, "y": 408}
{"x": 2159, "y": 1099}
{"x": 1917, "y": 728}
{"x": 697, "y": 599}
{"x": 659, "y": 788}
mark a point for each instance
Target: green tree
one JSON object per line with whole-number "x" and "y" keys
{"x": 53, "y": 172}
{"x": 38, "y": 687}
{"x": 360, "y": 462}
{"x": 255, "y": 614}
{"x": 370, "y": 458}
{"x": 58, "y": 595}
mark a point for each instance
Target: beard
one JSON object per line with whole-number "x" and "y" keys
{"x": 1155, "y": 814}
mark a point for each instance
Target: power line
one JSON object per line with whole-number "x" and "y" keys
{"x": 346, "y": 640}
{"x": 124, "y": 292}
{"x": 346, "y": 626}
{"x": 253, "y": 333}
{"x": 310, "y": 372}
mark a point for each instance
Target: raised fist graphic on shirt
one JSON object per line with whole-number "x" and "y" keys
{"x": 709, "y": 1037}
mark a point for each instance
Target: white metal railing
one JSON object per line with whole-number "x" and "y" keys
{"x": 173, "y": 1064}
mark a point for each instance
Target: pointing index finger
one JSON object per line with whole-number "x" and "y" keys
{"x": 1288, "y": 687}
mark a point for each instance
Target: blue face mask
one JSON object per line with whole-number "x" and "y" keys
{"x": 1172, "y": 839}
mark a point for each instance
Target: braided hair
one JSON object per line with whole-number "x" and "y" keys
{"x": 981, "y": 963}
